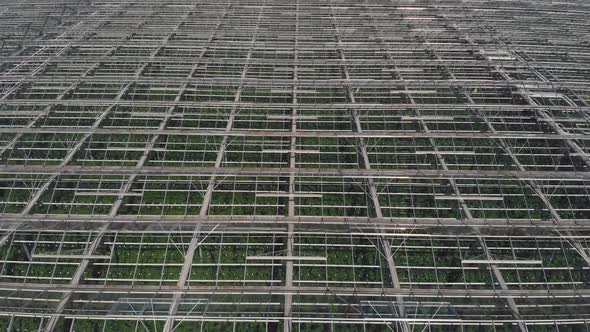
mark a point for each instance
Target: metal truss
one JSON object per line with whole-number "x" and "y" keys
{"x": 276, "y": 165}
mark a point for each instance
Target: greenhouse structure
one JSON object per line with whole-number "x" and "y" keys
{"x": 294, "y": 165}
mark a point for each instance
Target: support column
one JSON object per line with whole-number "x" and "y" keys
{"x": 288, "y": 314}
{"x": 373, "y": 194}
{"x": 79, "y": 273}
{"x": 189, "y": 255}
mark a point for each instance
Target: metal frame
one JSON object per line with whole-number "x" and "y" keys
{"x": 294, "y": 165}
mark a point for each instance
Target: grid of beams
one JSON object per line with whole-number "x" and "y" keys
{"x": 294, "y": 165}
